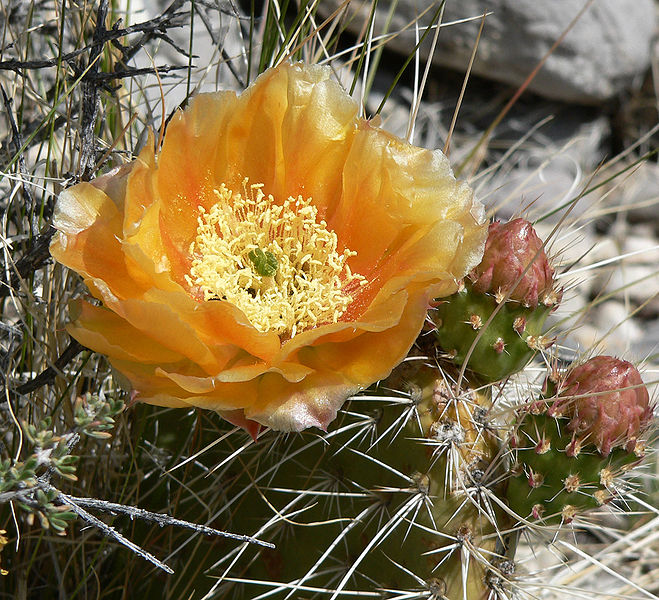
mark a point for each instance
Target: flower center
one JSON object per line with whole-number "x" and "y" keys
{"x": 275, "y": 262}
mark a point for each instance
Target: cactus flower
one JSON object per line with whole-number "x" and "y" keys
{"x": 606, "y": 403}
{"x": 509, "y": 250}
{"x": 277, "y": 254}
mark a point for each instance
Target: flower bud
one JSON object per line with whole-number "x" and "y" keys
{"x": 509, "y": 250}
{"x": 607, "y": 404}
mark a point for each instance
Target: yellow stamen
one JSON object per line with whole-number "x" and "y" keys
{"x": 234, "y": 237}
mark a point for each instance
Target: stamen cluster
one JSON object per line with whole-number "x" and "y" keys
{"x": 306, "y": 280}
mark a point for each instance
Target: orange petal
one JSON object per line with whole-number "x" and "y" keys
{"x": 108, "y": 333}
{"x": 187, "y": 166}
{"x": 394, "y": 191}
{"x": 89, "y": 229}
{"x": 140, "y": 191}
{"x": 371, "y": 355}
{"x": 237, "y": 418}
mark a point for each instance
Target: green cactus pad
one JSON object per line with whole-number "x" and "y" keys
{"x": 550, "y": 485}
{"x": 386, "y": 500}
{"x": 504, "y": 347}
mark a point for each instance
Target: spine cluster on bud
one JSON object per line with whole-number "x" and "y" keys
{"x": 571, "y": 445}
{"x": 495, "y": 321}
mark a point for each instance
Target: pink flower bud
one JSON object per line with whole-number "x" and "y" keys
{"x": 509, "y": 249}
{"x": 607, "y": 404}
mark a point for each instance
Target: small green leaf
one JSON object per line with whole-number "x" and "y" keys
{"x": 99, "y": 435}
{"x": 265, "y": 263}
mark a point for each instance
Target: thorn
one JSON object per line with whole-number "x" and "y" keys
{"x": 554, "y": 375}
{"x": 476, "y": 322}
{"x": 568, "y": 513}
{"x": 477, "y": 475}
{"x": 573, "y": 448}
{"x": 464, "y": 534}
{"x": 537, "y": 511}
{"x": 545, "y": 342}
{"x": 556, "y": 410}
{"x": 536, "y": 479}
{"x": 519, "y": 325}
{"x": 537, "y": 408}
{"x": 532, "y": 342}
{"x": 601, "y": 497}
{"x": 480, "y": 416}
{"x": 415, "y": 392}
{"x": 572, "y": 483}
{"x": 552, "y": 298}
{"x": 606, "y": 477}
{"x": 436, "y": 588}
{"x": 422, "y": 481}
{"x": 447, "y": 432}
{"x": 543, "y": 446}
{"x": 499, "y": 346}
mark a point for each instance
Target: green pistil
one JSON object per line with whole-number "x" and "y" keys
{"x": 265, "y": 263}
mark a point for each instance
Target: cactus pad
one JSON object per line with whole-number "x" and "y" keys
{"x": 504, "y": 346}
{"x": 391, "y": 498}
{"x": 554, "y": 484}
{"x": 573, "y": 442}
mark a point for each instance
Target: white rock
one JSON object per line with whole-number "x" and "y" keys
{"x": 613, "y": 321}
{"x": 647, "y": 346}
{"x": 636, "y": 276}
{"x": 637, "y": 282}
{"x": 639, "y": 194}
{"x": 608, "y": 47}
{"x": 642, "y": 246}
{"x": 581, "y": 338}
{"x": 608, "y": 329}
{"x": 566, "y": 250}
{"x": 535, "y": 186}
{"x": 636, "y": 194}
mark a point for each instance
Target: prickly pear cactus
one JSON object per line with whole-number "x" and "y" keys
{"x": 571, "y": 445}
{"x": 417, "y": 491}
{"x": 495, "y": 321}
{"x": 394, "y": 497}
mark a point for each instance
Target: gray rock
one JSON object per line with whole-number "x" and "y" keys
{"x": 647, "y": 347}
{"x": 538, "y": 159}
{"x": 635, "y": 277}
{"x": 638, "y": 195}
{"x": 546, "y": 173}
{"x": 216, "y": 31}
{"x": 606, "y": 49}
